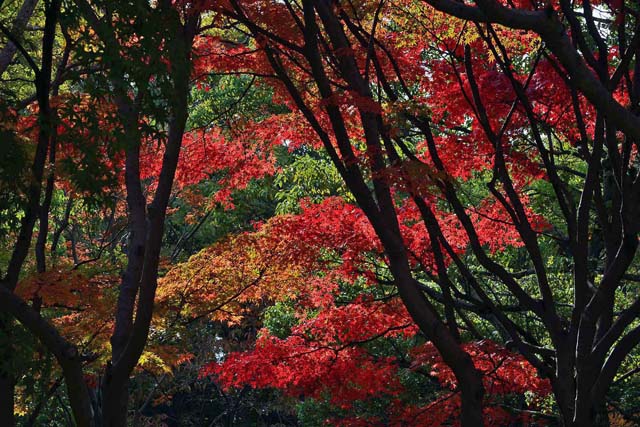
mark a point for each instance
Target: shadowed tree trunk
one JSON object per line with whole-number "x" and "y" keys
{"x": 42, "y": 74}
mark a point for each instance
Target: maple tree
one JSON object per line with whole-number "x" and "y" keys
{"x": 400, "y": 213}
{"x": 129, "y": 335}
{"x": 479, "y": 82}
{"x": 102, "y": 139}
{"x": 322, "y": 353}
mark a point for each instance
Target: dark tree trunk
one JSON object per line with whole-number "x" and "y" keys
{"x": 595, "y": 416}
{"x": 7, "y": 393}
{"x": 21, "y": 248}
{"x": 147, "y": 230}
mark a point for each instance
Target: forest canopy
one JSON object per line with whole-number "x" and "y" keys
{"x": 319, "y": 213}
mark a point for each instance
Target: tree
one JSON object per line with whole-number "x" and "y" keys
{"x": 42, "y": 85}
{"x": 132, "y": 82}
{"x": 558, "y": 116}
{"x": 338, "y": 337}
{"x": 490, "y": 154}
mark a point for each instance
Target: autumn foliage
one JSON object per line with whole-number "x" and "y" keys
{"x": 350, "y": 213}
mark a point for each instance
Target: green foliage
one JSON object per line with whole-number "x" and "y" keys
{"x": 224, "y": 99}
{"x": 13, "y": 162}
{"x": 253, "y": 204}
{"x": 308, "y": 175}
{"x": 279, "y": 319}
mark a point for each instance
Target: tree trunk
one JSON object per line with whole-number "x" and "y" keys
{"x": 147, "y": 227}
{"x": 469, "y": 378}
{"x": 472, "y": 392}
{"x": 7, "y": 392}
{"x": 596, "y": 416}
{"x": 23, "y": 242}
{"x": 115, "y": 405}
